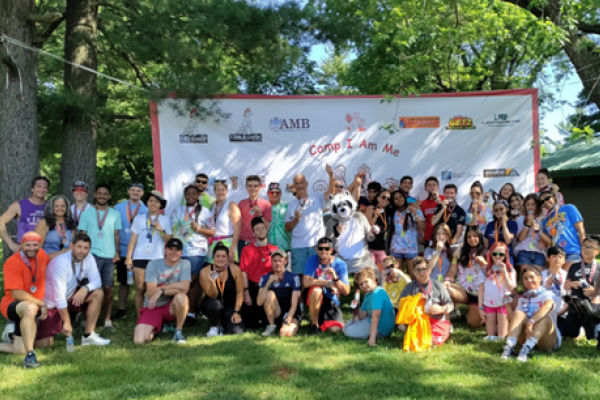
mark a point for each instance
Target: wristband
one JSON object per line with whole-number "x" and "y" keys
{"x": 246, "y": 289}
{"x": 236, "y": 312}
{"x": 481, "y": 308}
{"x": 448, "y": 280}
{"x": 531, "y": 321}
{"x": 337, "y": 279}
{"x": 86, "y": 288}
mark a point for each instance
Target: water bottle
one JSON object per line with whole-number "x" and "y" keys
{"x": 70, "y": 344}
{"x": 130, "y": 276}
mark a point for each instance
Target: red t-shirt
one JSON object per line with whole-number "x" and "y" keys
{"x": 245, "y": 206}
{"x": 428, "y": 208}
{"x": 252, "y": 261}
{"x": 18, "y": 276}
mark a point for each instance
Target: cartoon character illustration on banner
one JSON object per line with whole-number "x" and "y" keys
{"x": 340, "y": 174}
{"x": 234, "y": 182}
{"x": 320, "y": 186}
{"x": 366, "y": 171}
{"x": 192, "y": 126}
{"x": 355, "y": 123}
{"x": 391, "y": 184}
{"x": 246, "y": 125}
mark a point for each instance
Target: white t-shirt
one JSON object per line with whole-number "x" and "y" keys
{"x": 351, "y": 245}
{"x": 146, "y": 249}
{"x": 558, "y": 290}
{"x": 194, "y": 244}
{"x": 494, "y": 287}
{"x": 310, "y": 228}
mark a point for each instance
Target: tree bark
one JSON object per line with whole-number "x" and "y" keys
{"x": 79, "y": 122}
{"x": 19, "y": 162}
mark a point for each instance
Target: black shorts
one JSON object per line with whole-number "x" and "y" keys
{"x": 11, "y": 313}
{"x": 330, "y": 312}
{"x": 121, "y": 272}
{"x": 472, "y": 299}
{"x": 285, "y": 306}
{"x": 140, "y": 263}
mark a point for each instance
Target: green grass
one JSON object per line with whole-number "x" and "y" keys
{"x": 325, "y": 367}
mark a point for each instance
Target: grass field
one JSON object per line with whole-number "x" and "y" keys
{"x": 325, "y": 367}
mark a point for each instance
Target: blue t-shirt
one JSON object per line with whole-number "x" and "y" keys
{"x": 378, "y": 299}
{"x": 490, "y": 234}
{"x": 103, "y": 244}
{"x": 566, "y": 234}
{"x": 314, "y": 268}
{"x": 436, "y": 274}
{"x": 125, "y": 232}
{"x": 53, "y": 242}
{"x": 284, "y": 289}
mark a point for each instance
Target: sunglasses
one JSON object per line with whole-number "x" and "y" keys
{"x": 419, "y": 270}
{"x": 339, "y": 186}
{"x": 217, "y": 181}
{"x": 202, "y": 181}
{"x": 545, "y": 199}
{"x": 322, "y": 248}
{"x": 495, "y": 254}
{"x": 385, "y": 197}
{"x": 274, "y": 192}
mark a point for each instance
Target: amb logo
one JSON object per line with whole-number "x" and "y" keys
{"x": 460, "y": 123}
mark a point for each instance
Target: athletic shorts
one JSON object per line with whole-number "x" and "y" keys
{"x": 472, "y": 300}
{"x": 142, "y": 264}
{"x": 156, "y": 317}
{"x": 495, "y": 310}
{"x": 53, "y": 323}
{"x": 11, "y": 313}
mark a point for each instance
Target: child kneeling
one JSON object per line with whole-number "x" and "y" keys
{"x": 376, "y": 317}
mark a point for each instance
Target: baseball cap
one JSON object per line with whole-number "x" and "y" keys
{"x": 80, "y": 185}
{"x": 274, "y": 186}
{"x": 137, "y": 185}
{"x": 325, "y": 240}
{"x": 280, "y": 253}
{"x": 174, "y": 242}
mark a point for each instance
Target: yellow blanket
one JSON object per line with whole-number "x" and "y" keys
{"x": 412, "y": 313}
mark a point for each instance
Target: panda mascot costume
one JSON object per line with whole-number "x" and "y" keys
{"x": 349, "y": 231}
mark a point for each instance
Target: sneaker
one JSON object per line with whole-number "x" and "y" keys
{"x": 9, "y": 329}
{"x": 178, "y": 337}
{"x": 506, "y": 353}
{"x": 31, "y": 361}
{"x": 119, "y": 315}
{"x": 451, "y": 328}
{"x": 270, "y": 330}
{"x": 491, "y": 338}
{"x": 455, "y": 314}
{"x": 522, "y": 357}
{"x": 108, "y": 326}
{"x": 94, "y": 339}
{"x": 168, "y": 328}
{"x": 314, "y": 330}
{"x": 213, "y": 331}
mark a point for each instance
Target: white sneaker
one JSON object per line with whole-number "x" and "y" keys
{"x": 270, "y": 330}
{"x": 213, "y": 331}
{"x": 9, "y": 329}
{"x": 94, "y": 339}
{"x": 451, "y": 328}
{"x": 108, "y": 326}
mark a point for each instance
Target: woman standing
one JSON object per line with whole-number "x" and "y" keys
{"x": 378, "y": 219}
{"x": 403, "y": 230}
{"x": 478, "y": 212}
{"x": 439, "y": 254}
{"x": 57, "y": 227}
{"x": 531, "y": 248}
{"x": 501, "y": 228}
{"x": 149, "y": 233}
{"x": 227, "y": 220}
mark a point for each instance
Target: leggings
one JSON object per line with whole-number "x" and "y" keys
{"x": 219, "y": 315}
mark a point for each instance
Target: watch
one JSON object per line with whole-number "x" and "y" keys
{"x": 337, "y": 279}
{"x": 236, "y": 312}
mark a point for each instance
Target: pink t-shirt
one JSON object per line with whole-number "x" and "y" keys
{"x": 245, "y": 206}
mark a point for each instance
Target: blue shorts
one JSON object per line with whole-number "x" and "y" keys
{"x": 407, "y": 256}
{"x": 531, "y": 258}
{"x": 197, "y": 263}
{"x": 299, "y": 257}
{"x": 573, "y": 258}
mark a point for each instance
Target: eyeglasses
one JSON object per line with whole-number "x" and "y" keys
{"x": 592, "y": 248}
{"x": 494, "y": 254}
{"x": 420, "y": 270}
{"x": 322, "y": 248}
{"x": 385, "y": 197}
{"x": 274, "y": 192}
{"x": 202, "y": 181}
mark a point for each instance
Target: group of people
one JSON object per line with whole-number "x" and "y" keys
{"x": 257, "y": 263}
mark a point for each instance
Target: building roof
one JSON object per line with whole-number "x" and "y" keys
{"x": 581, "y": 158}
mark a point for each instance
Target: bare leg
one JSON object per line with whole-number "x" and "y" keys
{"x": 545, "y": 333}
{"x": 93, "y": 310}
{"x": 46, "y": 342}
{"x": 143, "y": 333}
{"x": 194, "y": 292}
{"x": 271, "y": 307}
{"x": 289, "y": 330}
{"x": 16, "y": 347}
{"x": 179, "y": 307}
{"x": 409, "y": 268}
{"x": 517, "y": 324}
{"x": 502, "y": 321}
{"x": 316, "y": 296}
{"x": 140, "y": 288}
{"x": 490, "y": 324}
{"x": 473, "y": 318}
{"x": 123, "y": 296}
{"x": 28, "y": 311}
{"x": 108, "y": 301}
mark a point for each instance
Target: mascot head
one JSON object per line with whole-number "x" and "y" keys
{"x": 343, "y": 206}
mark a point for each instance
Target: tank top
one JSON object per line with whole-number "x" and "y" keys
{"x": 230, "y": 291}
{"x": 379, "y": 242}
{"x": 223, "y": 225}
{"x": 53, "y": 242}
{"x": 31, "y": 214}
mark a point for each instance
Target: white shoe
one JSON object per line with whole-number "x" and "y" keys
{"x": 9, "y": 329}
{"x": 451, "y": 328}
{"x": 213, "y": 331}
{"x": 94, "y": 339}
{"x": 270, "y": 330}
{"x": 108, "y": 326}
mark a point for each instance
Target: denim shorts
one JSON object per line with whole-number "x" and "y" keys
{"x": 407, "y": 256}
{"x": 531, "y": 258}
{"x": 197, "y": 262}
{"x": 299, "y": 257}
{"x": 573, "y": 258}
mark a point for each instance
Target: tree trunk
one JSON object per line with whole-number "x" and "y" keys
{"x": 19, "y": 162}
{"x": 79, "y": 123}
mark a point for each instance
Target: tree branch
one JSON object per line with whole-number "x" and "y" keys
{"x": 589, "y": 28}
{"x": 39, "y": 41}
{"x": 50, "y": 17}
{"x": 7, "y": 60}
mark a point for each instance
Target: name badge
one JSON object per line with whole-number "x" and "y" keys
{"x": 469, "y": 278}
{"x": 149, "y": 248}
{"x": 440, "y": 278}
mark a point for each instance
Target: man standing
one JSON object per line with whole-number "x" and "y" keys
{"x": 80, "y": 192}
{"x": 278, "y": 236}
{"x": 167, "y": 283}
{"x": 278, "y": 295}
{"x": 250, "y": 208}
{"x": 373, "y": 189}
{"x": 406, "y": 184}
{"x": 255, "y": 262}
{"x": 429, "y": 206}
{"x": 72, "y": 281}
{"x": 204, "y": 199}
{"x": 23, "y": 301}
{"x": 28, "y": 213}
{"x": 128, "y": 209}
{"x": 304, "y": 219}
{"x": 451, "y": 214}
{"x": 102, "y": 224}
{"x": 326, "y": 279}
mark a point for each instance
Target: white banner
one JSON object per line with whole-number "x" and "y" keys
{"x": 485, "y": 136}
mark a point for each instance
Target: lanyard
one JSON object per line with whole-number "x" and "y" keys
{"x": 190, "y": 214}
{"x": 217, "y": 212}
{"x": 592, "y": 272}
{"x": 429, "y": 289}
{"x": 440, "y": 263}
{"x": 28, "y": 264}
{"x": 221, "y": 285}
{"x": 531, "y": 294}
{"x": 131, "y": 216}
{"x": 498, "y": 284}
{"x": 447, "y": 214}
{"x": 77, "y": 278}
{"x": 78, "y": 215}
{"x": 302, "y": 202}
{"x": 401, "y": 218}
{"x": 383, "y": 217}
{"x": 264, "y": 255}
{"x": 553, "y": 222}
{"x": 61, "y": 229}
{"x": 101, "y": 222}
{"x": 151, "y": 227}
{"x": 497, "y": 231}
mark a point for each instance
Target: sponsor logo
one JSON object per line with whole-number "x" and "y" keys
{"x": 290, "y": 125}
{"x": 450, "y": 175}
{"x": 460, "y": 122}
{"x": 191, "y": 134}
{"x": 500, "y": 121}
{"x": 245, "y": 132}
{"x": 499, "y": 172}
{"x": 419, "y": 122}
{"x": 355, "y": 123}
{"x": 193, "y": 139}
